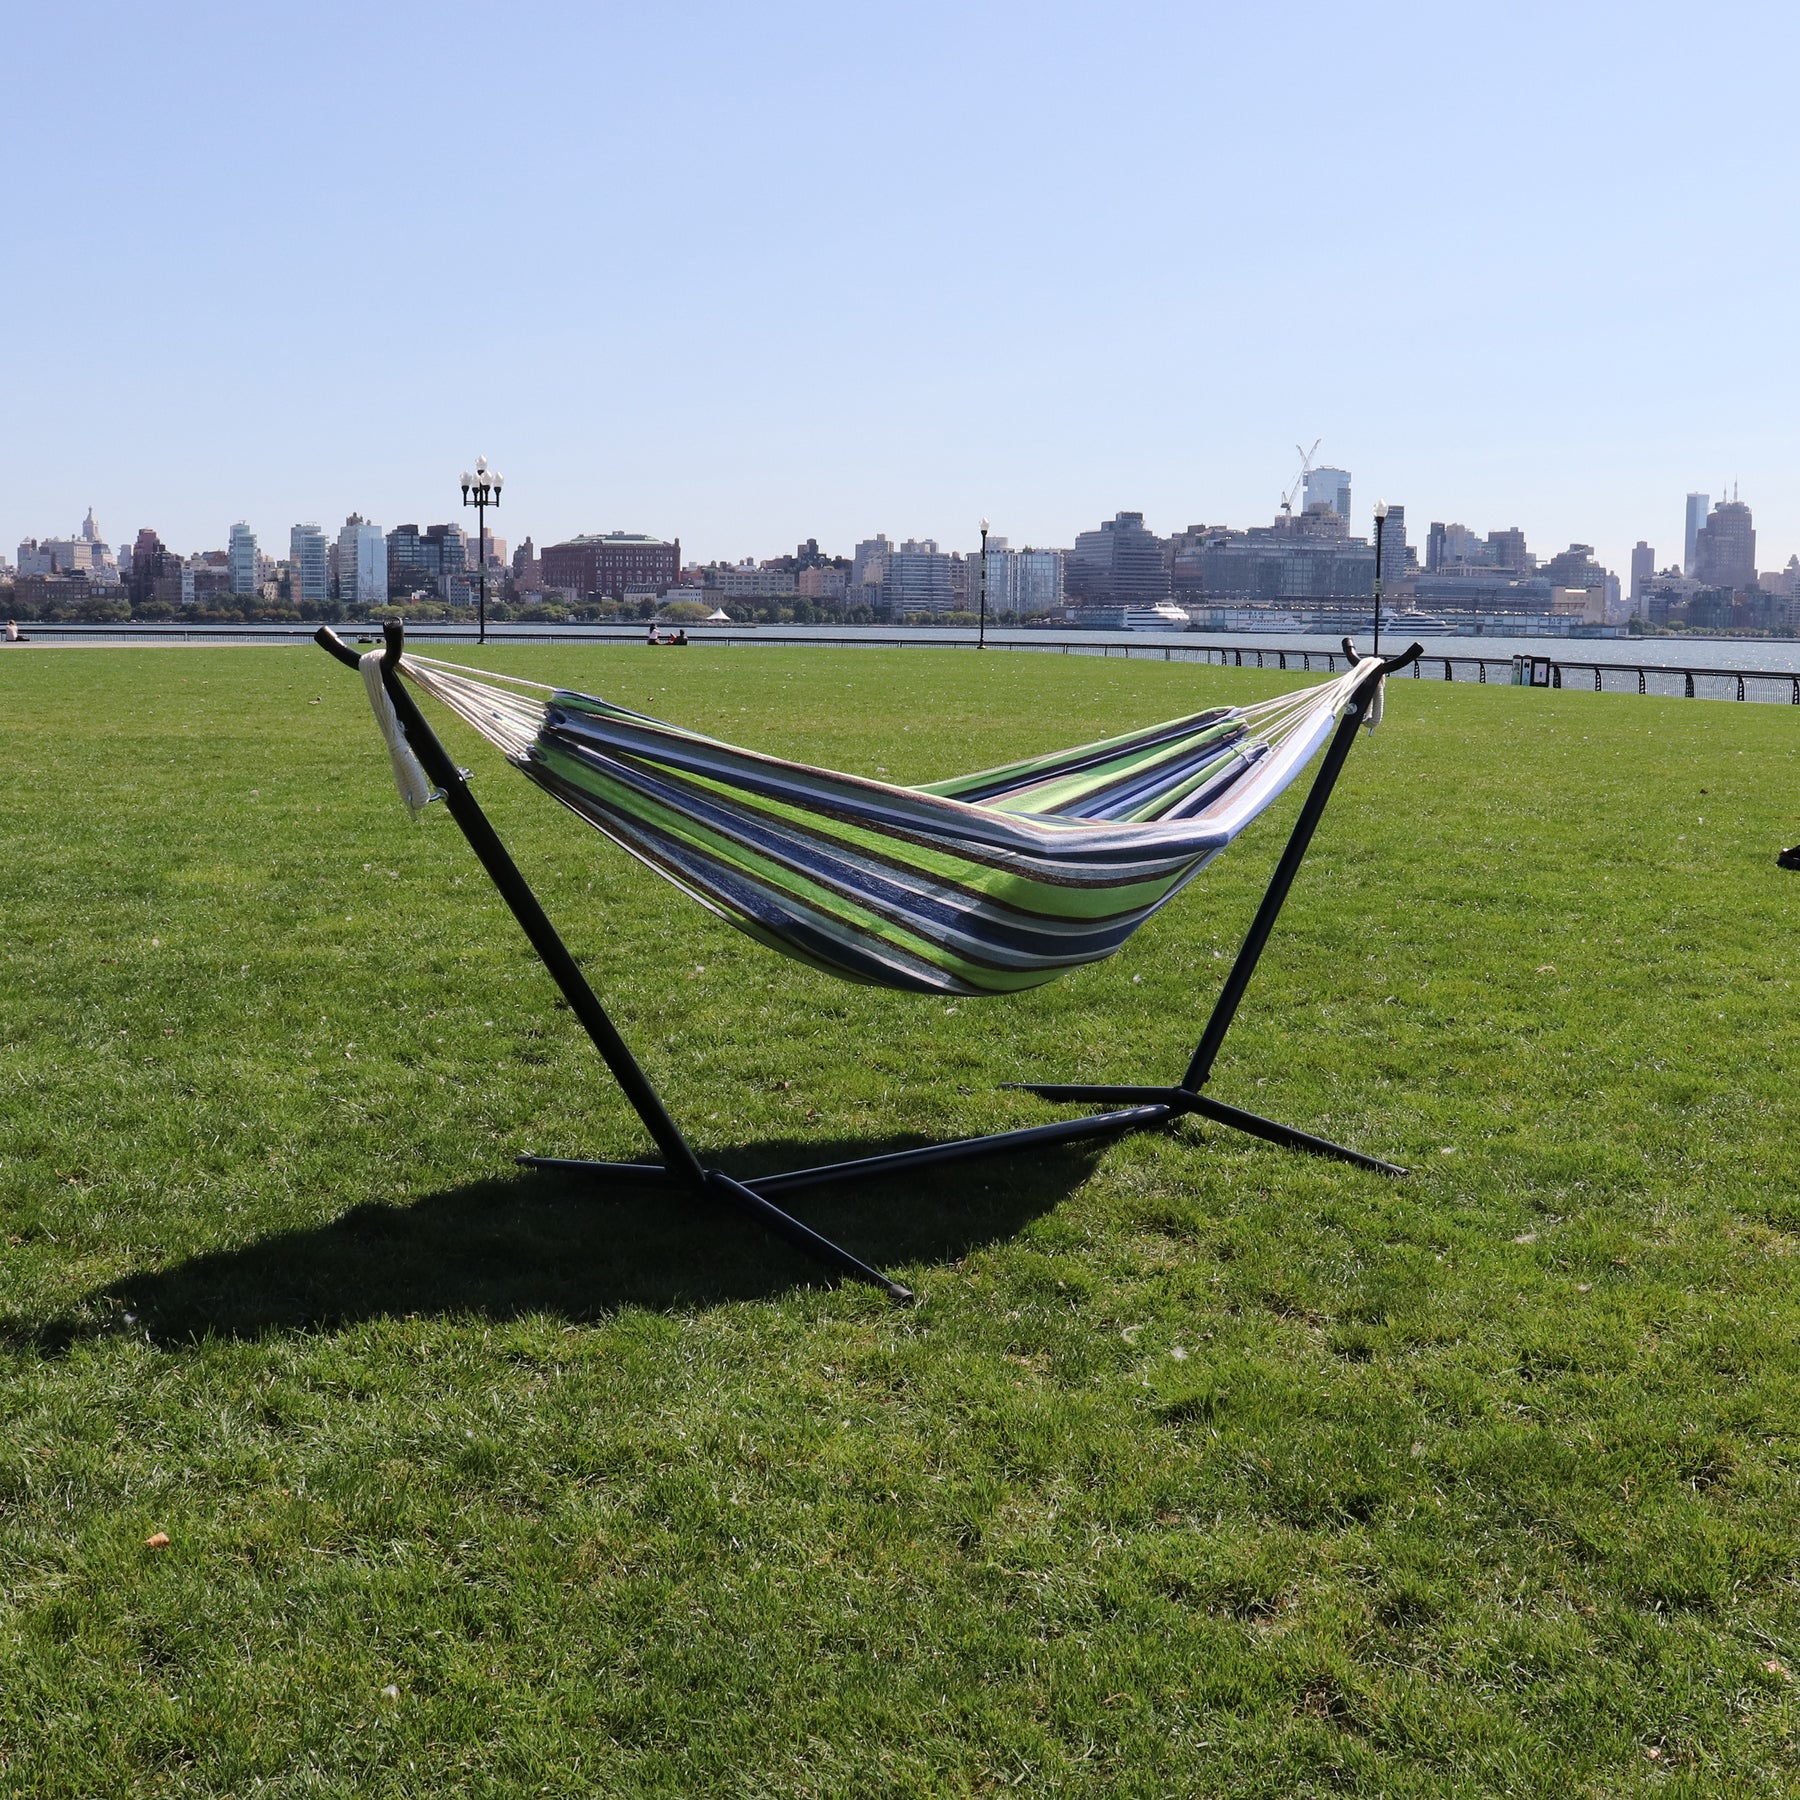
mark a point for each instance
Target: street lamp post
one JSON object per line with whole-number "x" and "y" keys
{"x": 981, "y": 635}
{"x": 482, "y": 490}
{"x": 1380, "y": 529}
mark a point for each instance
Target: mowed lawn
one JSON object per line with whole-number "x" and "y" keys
{"x": 1200, "y": 1467}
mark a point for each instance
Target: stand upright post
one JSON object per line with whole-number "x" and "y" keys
{"x": 1224, "y": 1010}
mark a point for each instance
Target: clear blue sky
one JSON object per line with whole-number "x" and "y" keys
{"x": 753, "y": 273}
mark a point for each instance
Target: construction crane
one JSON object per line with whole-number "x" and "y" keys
{"x": 1306, "y": 468}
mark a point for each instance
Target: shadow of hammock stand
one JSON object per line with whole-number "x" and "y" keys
{"x": 1141, "y": 1108}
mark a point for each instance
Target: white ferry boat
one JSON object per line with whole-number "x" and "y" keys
{"x": 1164, "y": 616}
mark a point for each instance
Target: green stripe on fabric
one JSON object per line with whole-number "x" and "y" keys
{"x": 956, "y": 785}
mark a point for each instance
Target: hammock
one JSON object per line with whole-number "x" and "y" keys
{"x": 981, "y": 885}
{"x": 984, "y": 884}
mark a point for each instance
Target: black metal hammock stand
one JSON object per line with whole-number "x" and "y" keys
{"x": 1137, "y": 1107}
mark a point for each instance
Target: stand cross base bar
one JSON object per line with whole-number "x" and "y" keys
{"x": 1142, "y": 1108}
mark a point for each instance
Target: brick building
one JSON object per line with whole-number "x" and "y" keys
{"x": 601, "y": 567}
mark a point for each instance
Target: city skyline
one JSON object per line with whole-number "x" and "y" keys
{"x": 1173, "y": 294}
{"x": 1672, "y": 547}
{"x": 1308, "y": 564}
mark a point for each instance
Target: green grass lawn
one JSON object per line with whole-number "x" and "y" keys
{"x": 1200, "y": 1467}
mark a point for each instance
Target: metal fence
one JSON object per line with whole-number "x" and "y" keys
{"x": 1672, "y": 681}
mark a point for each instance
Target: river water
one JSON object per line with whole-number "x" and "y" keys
{"x": 1613, "y": 665}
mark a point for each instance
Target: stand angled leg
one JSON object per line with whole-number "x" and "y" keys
{"x": 1176, "y": 1101}
{"x": 1286, "y": 1135}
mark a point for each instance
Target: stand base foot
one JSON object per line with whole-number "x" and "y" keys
{"x": 717, "y": 1185}
{"x": 1184, "y": 1100}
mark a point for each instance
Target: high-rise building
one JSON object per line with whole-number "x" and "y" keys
{"x": 1509, "y": 550}
{"x": 241, "y": 551}
{"x": 87, "y": 554}
{"x": 432, "y": 561}
{"x": 528, "y": 571}
{"x": 1643, "y": 571}
{"x": 1725, "y": 548}
{"x": 1450, "y": 549}
{"x": 1121, "y": 564}
{"x": 362, "y": 563}
{"x": 309, "y": 575}
{"x": 1456, "y": 550}
{"x": 1697, "y": 506}
{"x": 1329, "y": 487}
{"x": 1393, "y": 545}
{"x": 868, "y": 571}
{"x": 449, "y": 556}
{"x": 1038, "y": 580}
{"x": 917, "y": 579}
{"x": 820, "y": 581}
{"x": 83, "y": 554}
{"x": 1023, "y": 581}
{"x": 1574, "y": 571}
{"x": 1002, "y": 578}
{"x": 152, "y": 563}
{"x": 409, "y": 571}
{"x": 869, "y": 564}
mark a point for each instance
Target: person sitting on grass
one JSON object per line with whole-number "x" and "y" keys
{"x": 13, "y": 634}
{"x": 680, "y": 636}
{"x": 654, "y": 637}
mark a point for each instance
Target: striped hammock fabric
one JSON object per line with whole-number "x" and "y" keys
{"x": 986, "y": 884}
